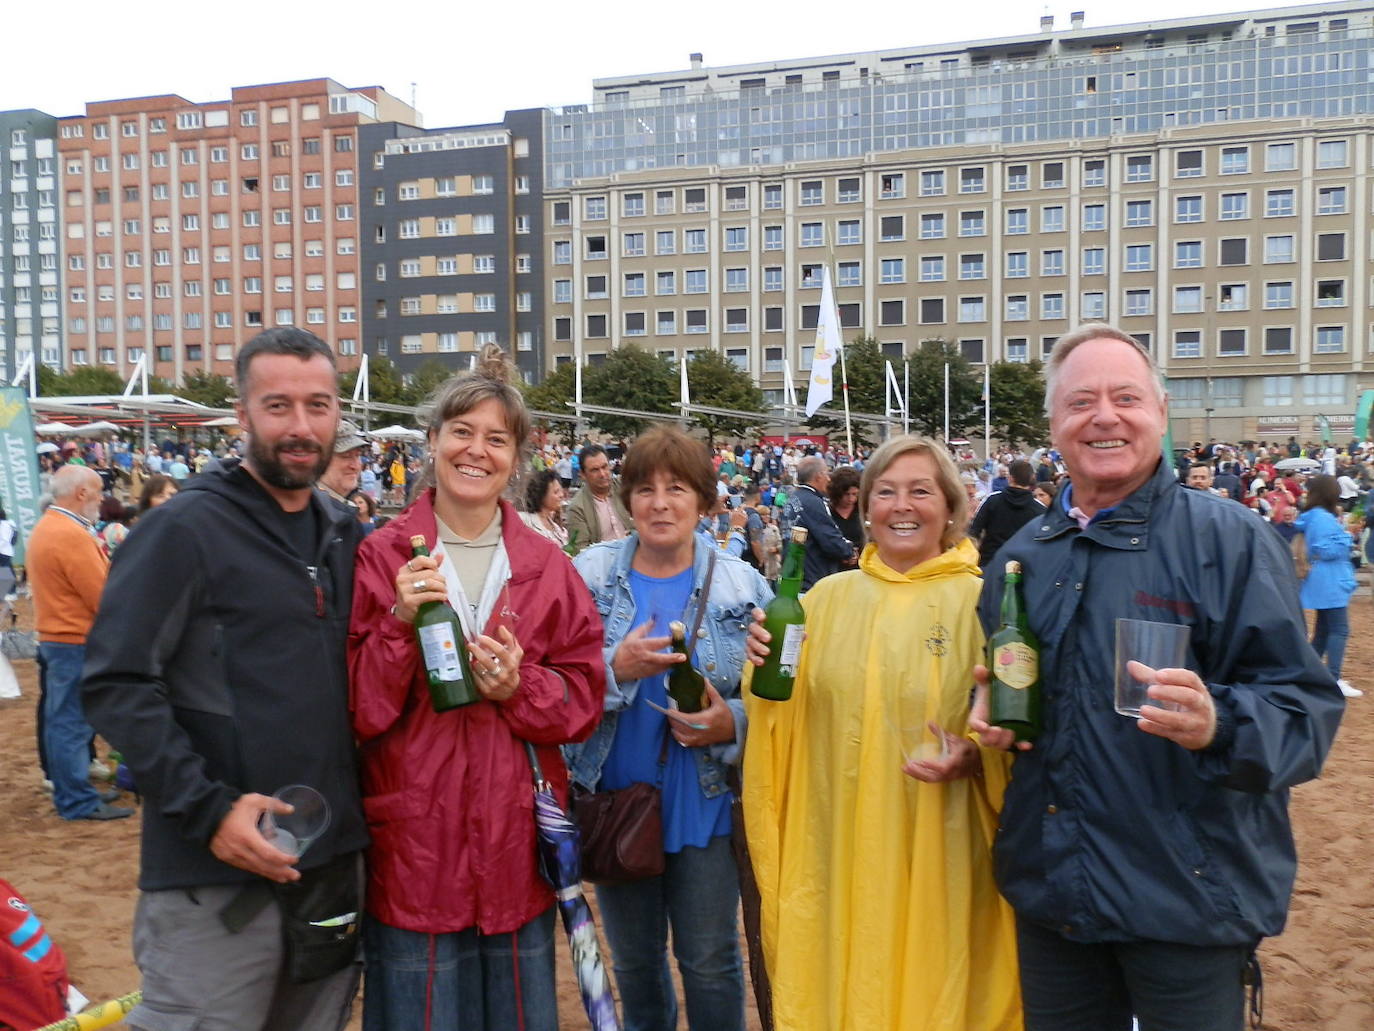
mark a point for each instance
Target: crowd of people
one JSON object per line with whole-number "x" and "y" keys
{"x": 906, "y": 863}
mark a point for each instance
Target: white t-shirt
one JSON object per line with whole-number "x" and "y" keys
{"x": 7, "y": 538}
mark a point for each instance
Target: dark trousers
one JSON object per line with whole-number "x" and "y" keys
{"x": 1071, "y": 986}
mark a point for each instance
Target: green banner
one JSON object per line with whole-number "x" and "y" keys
{"x": 1362, "y": 413}
{"x": 19, "y": 484}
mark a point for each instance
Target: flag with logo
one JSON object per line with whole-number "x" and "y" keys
{"x": 19, "y": 484}
{"x": 821, "y": 389}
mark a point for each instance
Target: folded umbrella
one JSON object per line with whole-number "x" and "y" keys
{"x": 560, "y": 861}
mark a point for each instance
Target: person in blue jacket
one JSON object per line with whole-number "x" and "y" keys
{"x": 1146, "y": 858}
{"x": 1330, "y": 579}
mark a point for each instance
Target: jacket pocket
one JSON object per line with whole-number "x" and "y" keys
{"x": 394, "y": 805}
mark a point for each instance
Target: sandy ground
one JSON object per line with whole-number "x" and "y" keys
{"x": 80, "y": 877}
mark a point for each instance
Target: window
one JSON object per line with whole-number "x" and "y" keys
{"x": 1236, "y": 251}
{"x": 972, "y": 266}
{"x": 736, "y": 280}
{"x": 595, "y": 288}
{"x": 484, "y": 184}
{"x": 893, "y": 227}
{"x": 1331, "y": 200}
{"x": 772, "y": 279}
{"x": 695, "y": 321}
{"x": 973, "y": 309}
{"x": 1187, "y": 164}
{"x": 1333, "y": 154}
{"x": 737, "y": 321}
{"x": 812, "y": 192}
{"x": 635, "y": 324}
{"x": 1280, "y": 157}
{"x": 665, "y": 323}
{"x": 1233, "y": 297}
{"x": 1052, "y": 306}
{"x": 1140, "y": 168}
{"x": 1095, "y": 172}
{"x": 772, "y": 238}
{"x": 694, "y": 241}
{"x": 1052, "y": 175}
{"x": 1235, "y": 160}
{"x": 1324, "y": 390}
{"x": 972, "y": 180}
{"x": 933, "y": 269}
{"x": 593, "y": 208}
{"x": 772, "y": 199}
{"x": 972, "y": 223}
{"x": 736, "y": 199}
{"x": 1330, "y": 340}
{"x": 1094, "y": 261}
{"x": 1018, "y": 264}
{"x": 1094, "y": 217}
{"x": 1187, "y": 300}
{"x": 1018, "y": 221}
{"x": 1331, "y": 293}
{"x": 1278, "y": 203}
{"x": 665, "y": 283}
{"x": 932, "y": 226}
{"x": 812, "y": 234}
{"x": 281, "y": 284}
{"x": 1140, "y": 213}
{"x": 1094, "y": 304}
{"x": 932, "y": 310}
{"x": 849, "y": 273}
{"x": 1018, "y": 307}
{"x": 694, "y": 281}
{"x": 1052, "y": 263}
{"x": 1187, "y": 343}
{"x": 1330, "y": 246}
{"x": 892, "y": 185}
{"x": 1278, "y": 340}
{"x": 1139, "y": 257}
{"x": 633, "y": 244}
{"x": 562, "y": 328}
{"x": 736, "y": 238}
{"x": 562, "y": 213}
{"x": 892, "y": 270}
{"x": 1278, "y": 250}
{"x": 562, "y": 252}
{"x": 1140, "y": 302}
{"x": 850, "y": 232}
{"x": 847, "y": 191}
{"x": 486, "y": 224}
{"x": 281, "y": 216}
{"x": 1278, "y": 294}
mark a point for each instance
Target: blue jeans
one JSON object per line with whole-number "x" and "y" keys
{"x": 1329, "y": 637}
{"x": 698, "y": 895}
{"x": 462, "y": 981}
{"x": 1072, "y": 986}
{"x": 66, "y": 734}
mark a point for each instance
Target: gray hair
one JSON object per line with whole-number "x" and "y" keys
{"x": 808, "y": 467}
{"x": 1071, "y": 340}
{"x": 68, "y": 480}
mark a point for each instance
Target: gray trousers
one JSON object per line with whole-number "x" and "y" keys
{"x": 199, "y": 977}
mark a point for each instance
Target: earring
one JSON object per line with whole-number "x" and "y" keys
{"x": 949, "y": 522}
{"x": 868, "y": 524}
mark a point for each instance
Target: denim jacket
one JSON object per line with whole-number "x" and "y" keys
{"x": 736, "y": 589}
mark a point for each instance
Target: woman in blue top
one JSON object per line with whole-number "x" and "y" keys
{"x": 641, "y": 584}
{"x": 1330, "y": 580}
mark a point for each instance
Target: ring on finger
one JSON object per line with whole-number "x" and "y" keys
{"x": 420, "y": 585}
{"x": 409, "y": 566}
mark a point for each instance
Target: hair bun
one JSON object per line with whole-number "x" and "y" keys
{"x": 495, "y": 364}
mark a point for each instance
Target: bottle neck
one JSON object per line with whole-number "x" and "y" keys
{"x": 1011, "y": 600}
{"x": 793, "y": 563}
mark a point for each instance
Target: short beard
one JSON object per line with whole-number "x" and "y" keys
{"x": 263, "y": 460}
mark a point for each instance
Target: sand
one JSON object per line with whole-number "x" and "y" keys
{"x": 80, "y": 877}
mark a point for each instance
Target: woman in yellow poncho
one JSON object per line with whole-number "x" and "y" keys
{"x": 870, "y": 814}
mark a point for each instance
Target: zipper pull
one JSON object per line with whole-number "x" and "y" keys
{"x": 313, "y": 571}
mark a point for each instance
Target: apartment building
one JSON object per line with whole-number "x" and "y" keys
{"x": 188, "y": 226}
{"x": 30, "y": 246}
{"x": 1202, "y": 182}
{"x": 452, "y": 223}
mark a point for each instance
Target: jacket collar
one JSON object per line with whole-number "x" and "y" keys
{"x": 701, "y": 556}
{"x": 1128, "y": 526}
{"x": 962, "y": 558}
{"x": 419, "y": 518}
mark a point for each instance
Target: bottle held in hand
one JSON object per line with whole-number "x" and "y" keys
{"x": 686, "y": 686}
{"x": 1014, "y": 666}
{"x": 443, "y": 649}
{"x": 785, "y": 621}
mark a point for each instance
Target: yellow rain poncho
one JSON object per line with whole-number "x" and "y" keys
{"x": 879, "y": 908}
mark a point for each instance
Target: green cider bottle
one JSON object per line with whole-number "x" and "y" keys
{"x": 444, "y": 649}
{"x": 785, "y": 621}
{"x": 571, "y": 547}
{"x": 1014, "y": 666}
{"x": 686, "y": 686}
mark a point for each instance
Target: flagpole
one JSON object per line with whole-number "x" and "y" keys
{"x": 946, "y": 404}
{"x": 848, "y": 431}
{"x": 906, "y": 408}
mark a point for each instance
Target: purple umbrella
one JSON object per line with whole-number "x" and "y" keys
{"x": 560, "y": 861}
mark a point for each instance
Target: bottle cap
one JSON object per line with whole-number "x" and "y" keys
{"x": 800, "y": 533}
{"x": 418, "y": 541}
{"x": 1014, "y": 567}
{"x": 677, "y": 630}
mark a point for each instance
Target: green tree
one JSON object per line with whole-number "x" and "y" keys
{"x": 387, "y": 386}
{"x": 1018, "y": 403}
{"x": 87, "y": 380}
{"x": 551, "y": 395}
{"x": 629, "y": 378}
{"x": 207, "y": 388}
{"x": 715, "y": 380}
{"x": 427, "y": 378}
{"x": 928, "y": 390}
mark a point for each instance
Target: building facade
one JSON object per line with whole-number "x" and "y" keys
{"x": 452, "y": 231}
{"x": 1201, "y": 182}
{"x": 189, "y": 226}
{"x": 30, "y": 241}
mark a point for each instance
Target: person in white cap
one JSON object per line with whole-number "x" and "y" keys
{"x": 340, "y": 480}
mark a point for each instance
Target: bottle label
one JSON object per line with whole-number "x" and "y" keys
{"x": 790, "y": 651}
{"x": 1016, "y": 664}
{"x": 441, "y": 651}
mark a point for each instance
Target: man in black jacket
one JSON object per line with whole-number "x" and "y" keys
{"x": 1005, "y": 512}
{"x": 826, "y": 548}
{"x": 216, "y": 665}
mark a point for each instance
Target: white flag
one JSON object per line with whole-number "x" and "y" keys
{"x": 828, "y": 343}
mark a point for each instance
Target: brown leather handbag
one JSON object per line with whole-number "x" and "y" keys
{"x": 622, "y": 833}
